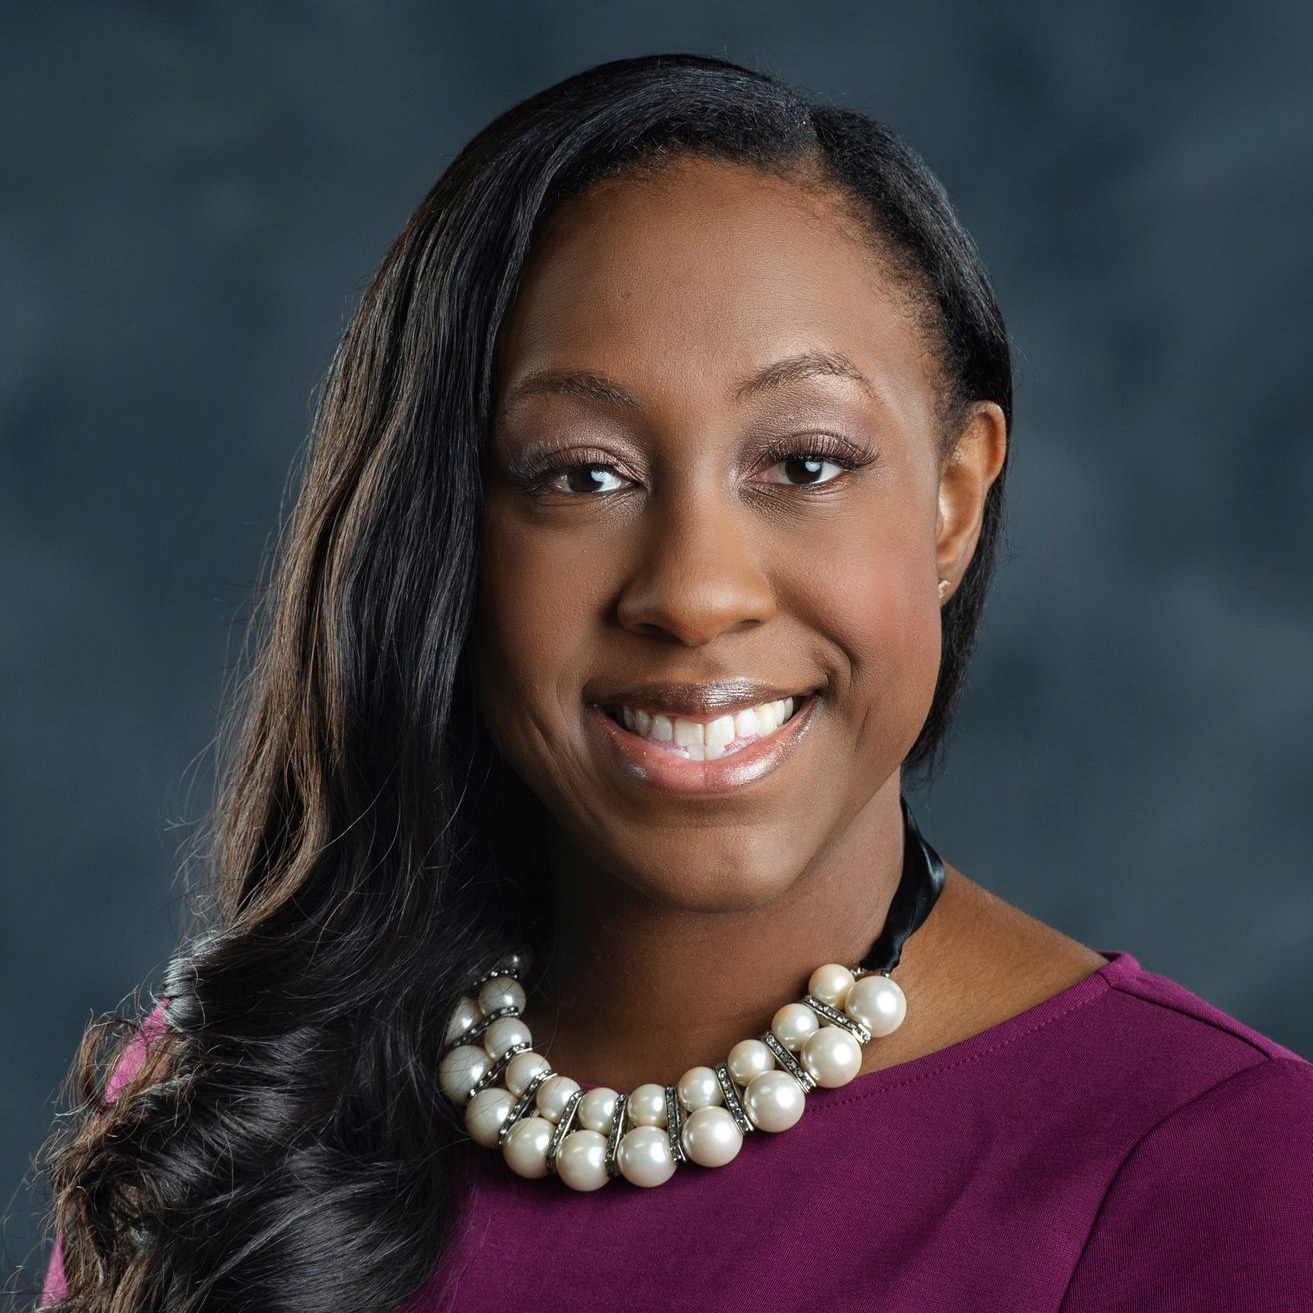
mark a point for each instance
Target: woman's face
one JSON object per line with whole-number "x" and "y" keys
{"x": 676, "y": 354}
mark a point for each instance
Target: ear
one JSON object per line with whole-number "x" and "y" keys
{"x": 964, "y": 482}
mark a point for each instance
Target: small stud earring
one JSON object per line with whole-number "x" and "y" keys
{"x": 944, "y": 585}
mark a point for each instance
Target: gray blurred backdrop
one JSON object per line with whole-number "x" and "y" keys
{"x": 194, "y": 194}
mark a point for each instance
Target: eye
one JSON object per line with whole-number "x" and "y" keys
{"x": 578, "y": 480}
{"x": 807, "y": 459}
{"x": 809, "y": 466}
{"x": 564, "y": 471}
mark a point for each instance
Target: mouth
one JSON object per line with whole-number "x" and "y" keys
{"x": 702, "y": 754}
{"x": 706, "y": 738}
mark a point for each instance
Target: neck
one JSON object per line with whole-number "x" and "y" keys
{"x": 630, "y": 990}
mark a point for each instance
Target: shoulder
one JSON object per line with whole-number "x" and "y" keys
{"x": 1170, "y": 1023}
{"x": 1187, "y": 1134}
{"x": 1162, "y": 1062}
{"x": 1010, "y": 962}
{"x": 151, "y": 1027}
{"x": 55, "y": 1287}
{"x": 1215, "y": 1198}
{"x": 1211, "y": 1188}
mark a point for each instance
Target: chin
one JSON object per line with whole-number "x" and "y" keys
{"x": 711, "y": 884}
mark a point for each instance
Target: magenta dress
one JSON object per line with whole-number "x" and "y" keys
{"x": 1123, "y": 1145}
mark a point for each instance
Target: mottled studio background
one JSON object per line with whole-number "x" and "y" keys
{"x": 192, "y": 195}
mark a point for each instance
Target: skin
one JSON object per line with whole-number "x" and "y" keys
{"x": 681, "y": 922}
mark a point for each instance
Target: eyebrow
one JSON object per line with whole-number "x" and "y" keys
{"x": 589, "y": 386}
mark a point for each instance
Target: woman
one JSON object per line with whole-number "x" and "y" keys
{"x": 653, "y": 500}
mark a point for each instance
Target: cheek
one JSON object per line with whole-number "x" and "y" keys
{"x": 529, "y": 636}
{"x": 885, "y": 620}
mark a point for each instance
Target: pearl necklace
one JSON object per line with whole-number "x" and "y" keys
{"x": 544, "y": 1122}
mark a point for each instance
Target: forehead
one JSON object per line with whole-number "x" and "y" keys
{"x": 690, "y": 282}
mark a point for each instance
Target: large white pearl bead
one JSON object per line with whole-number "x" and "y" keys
{"x": 878, "y": 1002}
{"x": 793, "y": 1024}
{"x": 463, "y": 1016}
{"x": 461, "y": 1070}
{"x": 597, "y": 1109}
{"x": 647, "y": 1105}
{"x": 484, "y": 1114}
{"x": 644, "y": 1156}
{"x": 699, "y": 1088}
{"x": 581, "y": 1160}
{"x": 501, "y": 992}
{"x": 525, "y": 1146}
{"x": 503, "y": 1034}
{"x": 831, "y": 984}
{"x": 522, "y": 1068}
{"x": 747, "y": 1059}
{"x": 831, "y": 1057}
{"x": 710, "y": 1137}
{"x": 553, "y": 1094}
{"x": 774, "y": 1101}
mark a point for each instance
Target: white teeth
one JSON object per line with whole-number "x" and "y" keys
{"x": 687, "y": 732}
{"x": 719, "y": 732}
{"x": 707, "y": 742}
{"x": 745, "y": 724}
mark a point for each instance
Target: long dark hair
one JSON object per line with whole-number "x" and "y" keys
{"x": 284, "y": 1146}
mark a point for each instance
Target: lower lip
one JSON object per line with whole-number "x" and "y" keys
{"x": 643, "y": 761}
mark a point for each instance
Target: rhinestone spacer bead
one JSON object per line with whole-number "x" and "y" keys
{"x": 674, "y": 1118}
{"x": 855, "y": 1028}
{"x": 562, "y": 1129}
{"x": 493, "y": 1074}
{"x": 523, "y": 1103}
{"x": 480, "y": 1028}
{"x": 617, "y": 1130}
{"x": 515, "y": 965}
{"x": 787, "y": 1061}
{"x": 728, "y": 1089}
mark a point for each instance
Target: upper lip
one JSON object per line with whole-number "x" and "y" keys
{"x": 709, "y": 698}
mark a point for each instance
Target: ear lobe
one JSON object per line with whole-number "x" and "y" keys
{"x": 964, "y": 483}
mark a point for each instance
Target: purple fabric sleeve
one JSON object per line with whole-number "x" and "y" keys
{"x": 55, "y": 1287}
{"x": 1212, "y": 1209}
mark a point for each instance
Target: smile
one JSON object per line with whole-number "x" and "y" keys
{"x": 686, "y": 756}
{"x": 696, "y": 740}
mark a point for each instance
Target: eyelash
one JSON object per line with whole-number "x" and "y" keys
{"x": 831, "y": 448}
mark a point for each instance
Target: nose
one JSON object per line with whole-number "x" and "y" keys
{"x": 698, "y": 575}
